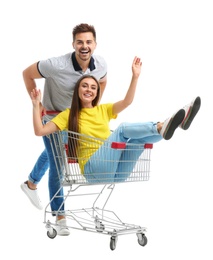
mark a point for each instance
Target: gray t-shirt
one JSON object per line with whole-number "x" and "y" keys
{"x": 61, "y": 74}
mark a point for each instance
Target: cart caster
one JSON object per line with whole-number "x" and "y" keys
{"x": 100, "y": 227}
{"x": 113, "y": 242}
{"x": 52, "y": 234}
{"x": 142, "y": 239}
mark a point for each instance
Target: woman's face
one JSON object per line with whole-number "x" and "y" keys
{"x": 87, "y": 92}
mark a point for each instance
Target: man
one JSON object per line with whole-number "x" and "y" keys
{"x": 60, "y": 74}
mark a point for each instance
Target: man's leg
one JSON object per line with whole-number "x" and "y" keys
{"x": 30, "y": 187}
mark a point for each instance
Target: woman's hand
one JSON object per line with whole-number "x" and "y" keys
{"x": 36, "y": 100}
{"x": 136, "y": 67}
{"x": 35, "y": 96}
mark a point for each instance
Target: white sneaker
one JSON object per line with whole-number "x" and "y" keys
{"x": 190, "y": 113}
{"x": 61, "y": 227}
{"x": 171, "y": 124}
{"x": 32, "y": 195}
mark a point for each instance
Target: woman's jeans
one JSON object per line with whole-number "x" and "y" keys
{"x": 112, "y": 161}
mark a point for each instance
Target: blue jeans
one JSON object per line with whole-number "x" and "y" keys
{"x": 45, "y": 160}
{"x": 39, "y": 168}
{"x": 112, "y": 161}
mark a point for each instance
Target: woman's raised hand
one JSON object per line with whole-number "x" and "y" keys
{"x": 35, "y": 96}
{"x": 136, "y": 66}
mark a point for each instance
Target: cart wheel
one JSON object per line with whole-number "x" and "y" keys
{"x": 113, "y": 242}
{"x": 142, "y": 241}
{"x": 52, "y": 234}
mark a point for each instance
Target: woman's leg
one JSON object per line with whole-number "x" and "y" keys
{"x": 104, "y": 163}
{"x": 131, "y": 155}
{"x": 135, "y": 146}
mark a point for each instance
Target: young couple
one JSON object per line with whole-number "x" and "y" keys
{"x": 86, "y": 116}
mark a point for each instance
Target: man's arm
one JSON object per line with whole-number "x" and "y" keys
{"x": 29, "y": 75}
{"x": 102, "y": 83}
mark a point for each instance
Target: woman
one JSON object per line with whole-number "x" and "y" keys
{"x": 88, "y": 118}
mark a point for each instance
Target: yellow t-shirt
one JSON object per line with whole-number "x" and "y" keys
{"x": 93, "y": 122}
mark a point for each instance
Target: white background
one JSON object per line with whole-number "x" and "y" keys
{"x": 174, "y": 40}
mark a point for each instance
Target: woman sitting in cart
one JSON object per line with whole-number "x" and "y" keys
{"x": 88, "y": 118}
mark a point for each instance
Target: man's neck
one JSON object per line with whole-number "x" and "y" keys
{"x": 83, "y": 64}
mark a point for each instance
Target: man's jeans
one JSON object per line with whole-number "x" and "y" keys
{"x": 45, "y": 160}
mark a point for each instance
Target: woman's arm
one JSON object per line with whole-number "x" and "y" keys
{"x": 39, "y": 128}
{"x": 122, "y": 104}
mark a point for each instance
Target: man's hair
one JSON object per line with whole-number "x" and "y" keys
{"x": 83, "y": 27}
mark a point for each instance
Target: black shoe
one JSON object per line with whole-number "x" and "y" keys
{"x": 190, "y": 113}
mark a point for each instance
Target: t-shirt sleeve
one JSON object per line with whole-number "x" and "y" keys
{"x": 104, "y": 68}
{"x": 48, "y": 68}
{"x": 62, "y": 119}
{"x": 109, "y": 111}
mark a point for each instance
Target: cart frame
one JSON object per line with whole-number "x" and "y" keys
{"x": 94, "y": 218}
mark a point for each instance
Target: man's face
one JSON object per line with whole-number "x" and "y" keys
{"x": 84, "y": 45}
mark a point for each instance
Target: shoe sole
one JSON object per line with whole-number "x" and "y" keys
{"x": 31, "y": 200}
{"x": 191, "y": 114}
{"x": 173, "y": 124}
{"x": 64, "y": 232}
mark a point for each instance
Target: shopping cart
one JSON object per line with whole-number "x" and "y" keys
{"x": 111, "y": 163}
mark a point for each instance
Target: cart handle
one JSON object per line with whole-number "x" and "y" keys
{"x": 51, "y": 112}
{"x": 122, "y": 145}
{"x": 148, "y": 146}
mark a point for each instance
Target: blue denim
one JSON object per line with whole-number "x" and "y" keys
{"x": 110, "y": 160}
{"x": 45, "y": 160}
{"x": 54, "y": 184}
{"x": 39, "y": 168}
